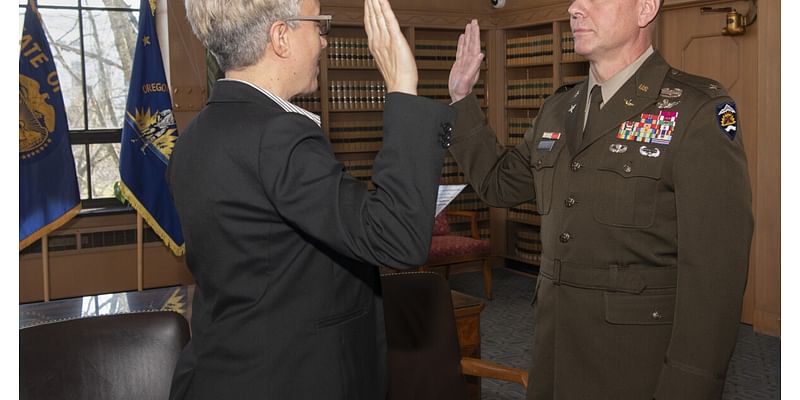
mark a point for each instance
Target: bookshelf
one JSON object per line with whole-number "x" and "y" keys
{"x": 538, "y": 58}
{"x": 527, "y": 62}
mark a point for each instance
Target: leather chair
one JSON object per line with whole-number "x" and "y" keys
{"x": 423, "y": 351}
{"x": 448, "y": 249}
{"x": 121, "y": 356}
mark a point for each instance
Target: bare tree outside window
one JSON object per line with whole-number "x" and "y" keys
{"x": 93, "y": 44}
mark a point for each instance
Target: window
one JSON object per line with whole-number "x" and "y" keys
{"x": 93, "y": 43}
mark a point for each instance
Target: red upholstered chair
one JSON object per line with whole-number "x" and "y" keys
{"x": 449, "y": 249}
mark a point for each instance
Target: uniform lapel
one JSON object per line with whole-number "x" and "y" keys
{"x": 637, "y": 94}
{"x": 574, "y": 117}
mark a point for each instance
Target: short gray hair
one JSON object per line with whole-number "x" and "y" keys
{"x": 236, "y": 32}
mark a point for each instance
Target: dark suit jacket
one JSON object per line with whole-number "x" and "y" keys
{"x": 283, "y": 245}
{"x": 644, "y": 245}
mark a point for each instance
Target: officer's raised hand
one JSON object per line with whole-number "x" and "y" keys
{"x": 467, "y": 67}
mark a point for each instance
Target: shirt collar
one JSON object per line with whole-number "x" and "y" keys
{"x": 285, "y": 105}
{"x": 611, "y": 86}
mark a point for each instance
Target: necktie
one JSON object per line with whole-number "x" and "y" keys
{"x": 596, "y": 97}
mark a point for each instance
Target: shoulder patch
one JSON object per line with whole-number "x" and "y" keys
{"x": 727, "y": 120}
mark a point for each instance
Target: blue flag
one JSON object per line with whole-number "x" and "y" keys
{"x": 148, "y": 136}
{"x": 48, "y": 186}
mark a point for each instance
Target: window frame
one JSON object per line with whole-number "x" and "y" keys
{"x": 86, "y": 137}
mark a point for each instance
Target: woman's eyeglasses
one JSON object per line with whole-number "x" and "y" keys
{"x": 323, "y": 22}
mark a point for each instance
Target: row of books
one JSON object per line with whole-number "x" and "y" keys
{"x": 357, "y": 95}
{"x": 440, "y": 54}
{"x": 435, "y": 53}
{"x": 361, "y": 170}
{"x": 528, "y": 246}
{"x": 517, "y": 128}
{"x": 349, "y": 52}
{"x": 528, "y": 92}
{"x": 536, "y": 49}
{"x": 451, "y": 173}
{"x": 356, "y": 136}
{"x": 311, "y": 102}
{"x": 353, "y": 52}
{"x": 568, "y": 48}
{"x": 524, "y": 212}
{"x": 438, "y": 90}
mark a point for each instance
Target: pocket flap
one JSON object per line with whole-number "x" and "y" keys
{"x": 631, "y": 309}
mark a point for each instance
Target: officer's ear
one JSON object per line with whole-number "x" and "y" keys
{"x": 648, "y": 10}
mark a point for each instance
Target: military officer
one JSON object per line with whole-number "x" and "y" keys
{"x": 640, "y": 177}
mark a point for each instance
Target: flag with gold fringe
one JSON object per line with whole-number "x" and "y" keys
{"x": 148, "y": 136}
{"x": 48, "y": 186}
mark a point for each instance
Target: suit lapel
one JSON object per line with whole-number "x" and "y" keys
{"x": 640, "y": 92}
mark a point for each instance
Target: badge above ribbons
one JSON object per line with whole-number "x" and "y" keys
{"x": 148, "y": 136}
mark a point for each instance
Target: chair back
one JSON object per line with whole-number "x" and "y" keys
{"x": 440, "y": 225}
{"x": 424, "y": 356}
{"x": 121, "y": 356}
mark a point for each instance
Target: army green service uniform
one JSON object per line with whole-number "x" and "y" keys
{"x": 646, "y": 228}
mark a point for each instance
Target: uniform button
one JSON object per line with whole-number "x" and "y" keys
{"x": 575, "y": 166}
{"x": 656, "y": 315}
{"x": 569, "y": 202}
{"x": 447, "y": 128}
{"x": 564, "y": 237}
{"x": 539, "y": 163}
{"x": 627, "y": 168}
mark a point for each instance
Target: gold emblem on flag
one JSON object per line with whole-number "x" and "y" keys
{"x": 156, "y": 129}
{"x": 37, "y": 118}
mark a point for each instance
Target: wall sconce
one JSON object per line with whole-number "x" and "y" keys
{"x": 735, "y": 23}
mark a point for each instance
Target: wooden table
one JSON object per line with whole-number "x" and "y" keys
{"x": 467, "y": 310}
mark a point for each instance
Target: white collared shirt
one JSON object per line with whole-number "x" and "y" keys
{"x": 287, "y": 106}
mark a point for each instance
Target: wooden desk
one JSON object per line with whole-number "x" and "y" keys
{"x": 467, "y": 310}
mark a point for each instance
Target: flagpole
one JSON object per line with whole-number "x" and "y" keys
{"x": 139, "y": 251}
{"x": 46, "y": 268}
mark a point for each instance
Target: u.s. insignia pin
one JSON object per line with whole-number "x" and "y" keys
{"x": 726, "y": 118}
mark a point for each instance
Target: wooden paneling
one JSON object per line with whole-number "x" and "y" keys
{"x": 749, "y": 68}
{"x": 766, "y": 247}
{"x": 99, "y": 270}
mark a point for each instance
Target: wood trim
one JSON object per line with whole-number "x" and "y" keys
{"x": 766, "y": 248}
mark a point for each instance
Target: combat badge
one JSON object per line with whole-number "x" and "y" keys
{"x": 649, "y": 151}
{"x": 726, "y": 119}
{"x": 671, "y": 93}
{"x": 665, "y": 103}
{"x": 617, "y": 148}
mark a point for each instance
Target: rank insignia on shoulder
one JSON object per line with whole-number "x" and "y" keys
{"x": 726, "y": 119}
{"x": 551, "y": 135}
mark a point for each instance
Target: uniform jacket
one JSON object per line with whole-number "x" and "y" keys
{"x": 645, "y": 244}
{"x": 283, "y": 244}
